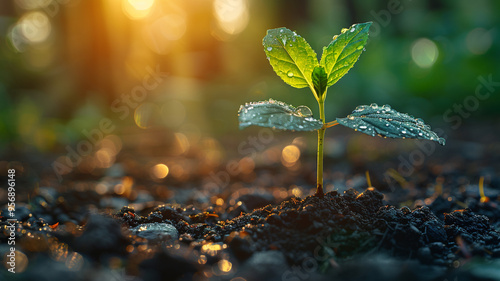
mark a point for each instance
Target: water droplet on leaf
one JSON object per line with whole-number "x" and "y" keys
{"x": 290, "y": 74}
{"x": 269, "y": 48}
{"x": 303, "y": 111}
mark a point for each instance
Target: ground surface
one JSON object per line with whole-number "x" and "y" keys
{"x": 263, "y": 225}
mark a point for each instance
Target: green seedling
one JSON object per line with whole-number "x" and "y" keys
{"x": 296, "y": 63}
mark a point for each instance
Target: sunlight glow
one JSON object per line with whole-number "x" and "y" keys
{"x": 232, "y": 15}
{"x": 160, "y": 35}
{"x": 141, "y": 5}
{"x": 137, "y": 9}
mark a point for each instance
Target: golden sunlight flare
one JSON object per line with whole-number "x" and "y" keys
{"x": 137, "y": 9}
{"x": 232, "y": 16}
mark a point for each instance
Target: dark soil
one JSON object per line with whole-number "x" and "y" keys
{"x": 299, "y": 239}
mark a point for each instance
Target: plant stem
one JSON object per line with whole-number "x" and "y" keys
{"x": 321, "y": 136}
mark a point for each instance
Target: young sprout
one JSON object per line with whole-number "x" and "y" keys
{"x": 368, "y": 181}
{"x": 296, "y": 63}
{"x": 484, "y": 198}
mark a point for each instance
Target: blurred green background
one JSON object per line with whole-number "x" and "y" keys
{"x": 67, "y": 64}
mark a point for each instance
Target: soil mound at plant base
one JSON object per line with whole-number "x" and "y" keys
{"x": 336, "y": 227}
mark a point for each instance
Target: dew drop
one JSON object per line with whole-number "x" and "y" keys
{"x": 269, "y": 48}
{"x": 363, "y": 127}
{"x": 303, "y": 111}
{"x": 281, "y": 30}
{"x": 344, "y": 30}
{"x": 420, "y": 134}
{"x": 360, "y": 47}
{"x": 352, "y": 29}
{"x": 290, "y": 74}
{"x": 403, "y": 131}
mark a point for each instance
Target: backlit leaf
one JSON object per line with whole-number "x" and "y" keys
{"x": 343, "y": 52}
{"x": 279, "y": 115}
{"x": 290, "y": 56}
{"x": 387, "y": 122}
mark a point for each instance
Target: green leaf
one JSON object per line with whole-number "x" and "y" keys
{"x": 279, "y": 115}
{"x": 343, "y": 52}
{"x": 387, "y": 122}
{"x": 320, "y": 80}
{"x": 290, "y": 56}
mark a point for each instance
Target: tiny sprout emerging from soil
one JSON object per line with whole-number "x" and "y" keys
{"x": 296, "y": 63}
{"x": 484, "y": 198}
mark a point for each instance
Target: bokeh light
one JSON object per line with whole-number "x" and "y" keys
{"x": 161, "y": 34}
{"x": 146, "y": 115}
{"x": 246, "y": 165}
{"x": 182, "y": 144}
{"x": 35, "y": 26}
{"x": 160, "y": 171}
{"x": 33, "y": 4}
{"x": 21, "y": 261}
{"x": 290, "y": 155}
{"x": 16, "y": 38}
{"x": 424, "y": 52}
{"x": 478, "y": 41}
{"x": 74, "y": 262}
{"x": 232, "y": 15}
{"x": 225, "y": 265}
{"x": 137, "y": 9}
